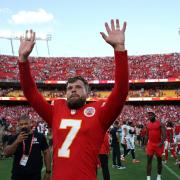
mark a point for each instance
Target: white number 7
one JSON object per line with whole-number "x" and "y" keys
{"x": 64, "y": 151}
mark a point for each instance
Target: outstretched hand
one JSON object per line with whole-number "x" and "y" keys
{"x": 26, "y": 45}
{"x": 116, "y": 36}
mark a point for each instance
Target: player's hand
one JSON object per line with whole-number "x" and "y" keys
{"x": 47, "y": 176}
{"x": 21, "y": 137}
{"x": 26, "y": 45}
{"x": 116, "y": 36}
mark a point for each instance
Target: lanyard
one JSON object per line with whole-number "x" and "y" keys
{"x": 24, "y": 146}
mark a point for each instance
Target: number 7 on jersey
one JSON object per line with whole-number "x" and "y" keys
{"x": 75, "y": 125}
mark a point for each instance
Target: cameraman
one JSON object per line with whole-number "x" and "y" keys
{"x": 26, "y": 147}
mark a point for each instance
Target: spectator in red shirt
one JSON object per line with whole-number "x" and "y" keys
{"x": 169, "y": 143}
{"x": 103, "y": 157}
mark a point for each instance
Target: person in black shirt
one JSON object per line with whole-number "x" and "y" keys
{"x": 115, "y": 146}
{"x": 27, "y": 147}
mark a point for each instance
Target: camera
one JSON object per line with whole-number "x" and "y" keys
{"x": 25, "y": 130}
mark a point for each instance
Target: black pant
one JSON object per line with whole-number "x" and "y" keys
{"x": 104, "y": 165}
{"x": 116, "y": 154}
{"x": 132, "y": 153}
{"x": 124, "y": 148}
{"x": 27, "y": 177}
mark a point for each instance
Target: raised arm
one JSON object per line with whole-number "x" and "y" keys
{"x": 116, "y": 38}
{"x": 37, "y": 101}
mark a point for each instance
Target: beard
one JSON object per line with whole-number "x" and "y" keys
{"x": 76, "y": 104}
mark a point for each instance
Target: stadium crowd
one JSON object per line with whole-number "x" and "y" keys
{"x": 158, "y": 66}
{"x": 136, "y": 114}
{"x": 152, "y": 92}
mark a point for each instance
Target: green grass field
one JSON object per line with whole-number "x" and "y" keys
{"x": 132, "y": 172}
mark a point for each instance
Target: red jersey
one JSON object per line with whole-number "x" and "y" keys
{"x": 154, "y": 132}
{"x": 169, "y": 134}
{"x": 143, "y": 132}
{"x": 105, "y": 149}
{"x": 78, "y": 134}
{"x": 177, "y": 130}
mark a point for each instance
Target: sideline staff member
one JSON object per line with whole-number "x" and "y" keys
{"x": 26, "y": 148}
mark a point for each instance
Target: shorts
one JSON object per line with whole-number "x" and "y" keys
{"x": 152, "y": 148}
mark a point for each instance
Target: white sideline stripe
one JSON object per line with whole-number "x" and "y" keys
{"x": 171, "y": 171}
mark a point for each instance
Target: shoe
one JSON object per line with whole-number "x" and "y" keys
{"x": 121, "y": 167}
{"x": 114, "y": 166}
{"x": 136, "y": 161}
{"x": 177, "y": 162}
{"x": 165, "y": 162}
{"x": 123, "y": 159}
{"x": 159, "y": 178}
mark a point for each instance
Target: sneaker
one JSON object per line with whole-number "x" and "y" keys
{"x": 114, "y": 166}
{"x": 165, "y": 161}
{"x": 136, "y": 161}
{"x": 177, "y": 162}
{"x": 121, "y": 167}
{"x": 158, "y": 177}
{"x": 123, "y": 159}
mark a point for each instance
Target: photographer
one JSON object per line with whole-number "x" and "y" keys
{"x": 26, "y": 147}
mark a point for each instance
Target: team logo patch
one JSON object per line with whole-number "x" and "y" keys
{"x": 89, "y": 111}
